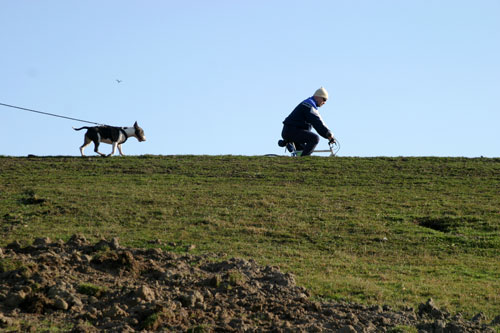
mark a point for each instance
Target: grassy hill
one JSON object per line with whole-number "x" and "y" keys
{"x": 393, "y": 231}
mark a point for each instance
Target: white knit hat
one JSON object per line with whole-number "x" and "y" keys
{"x": 321, "y": 92}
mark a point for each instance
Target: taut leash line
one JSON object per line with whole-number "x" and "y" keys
{"x": 49, "y": 114}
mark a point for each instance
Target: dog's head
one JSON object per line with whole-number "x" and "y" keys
{"x": 139, "y": 132}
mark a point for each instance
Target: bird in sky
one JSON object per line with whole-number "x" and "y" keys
{"x": 119, "y": 81}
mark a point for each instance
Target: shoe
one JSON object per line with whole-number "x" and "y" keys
{"x": 290, "y": 147}
{"x": 281, "y": 143}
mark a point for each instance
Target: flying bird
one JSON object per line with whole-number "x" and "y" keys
{"x": 119, "y": 81}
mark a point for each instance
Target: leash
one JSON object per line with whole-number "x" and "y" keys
{"x": 51, "y": 114}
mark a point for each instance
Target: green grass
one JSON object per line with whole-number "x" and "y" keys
{"x": 394, "y": 231}
{"x": 91, "y": 289}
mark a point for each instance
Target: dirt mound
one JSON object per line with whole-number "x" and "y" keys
{"x": 85, "y": 287}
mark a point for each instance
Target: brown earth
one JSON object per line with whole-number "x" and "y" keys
{"x": 87, "y": 287}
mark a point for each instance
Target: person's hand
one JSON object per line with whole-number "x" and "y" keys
{"x": 331, "y": 141}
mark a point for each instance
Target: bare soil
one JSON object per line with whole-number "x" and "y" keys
{"x": 84, "y": 287}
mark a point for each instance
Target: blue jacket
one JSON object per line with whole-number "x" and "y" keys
{"x": 306, "y": 115}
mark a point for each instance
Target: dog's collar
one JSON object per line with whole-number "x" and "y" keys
{"x": 125, "y": 134}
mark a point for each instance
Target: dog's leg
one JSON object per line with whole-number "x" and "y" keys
{"x": 114, "y": 145}
{"x": 120, "y": 149}
{"x": 96, "y": 148}
{"x": 86, "y": 142}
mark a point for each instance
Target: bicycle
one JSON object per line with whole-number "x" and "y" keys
{"x": 333, "y": 148}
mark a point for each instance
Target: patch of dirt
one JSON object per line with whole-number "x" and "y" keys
{"x": 443, "y": 224}
{"x": 88, "y": 287}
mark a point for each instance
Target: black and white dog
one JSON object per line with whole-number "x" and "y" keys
{"x": 115, "y": 136}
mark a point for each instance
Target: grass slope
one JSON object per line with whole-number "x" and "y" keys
{"x": 394, "y": 231}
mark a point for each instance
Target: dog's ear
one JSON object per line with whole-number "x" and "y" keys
{"x": 136, "y": 124}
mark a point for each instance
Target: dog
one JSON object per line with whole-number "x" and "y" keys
{"x": 115, "y": 136}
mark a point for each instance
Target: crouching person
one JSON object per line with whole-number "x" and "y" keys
{"x": 297, "y": 126}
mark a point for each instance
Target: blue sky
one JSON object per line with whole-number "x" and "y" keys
{"x": 406, "y": 78}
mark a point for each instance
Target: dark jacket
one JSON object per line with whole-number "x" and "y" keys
{"x": 306, "y": 115}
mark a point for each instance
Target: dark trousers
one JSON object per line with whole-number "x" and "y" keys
{"x": 304, "y": 140}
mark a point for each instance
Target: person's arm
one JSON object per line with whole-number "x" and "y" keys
{"x": 315, "y": 119}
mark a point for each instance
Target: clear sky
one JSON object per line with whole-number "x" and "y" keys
{"x": 405, "y": 78}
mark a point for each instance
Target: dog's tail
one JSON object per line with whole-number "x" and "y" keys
{"x": 77, "y": 129}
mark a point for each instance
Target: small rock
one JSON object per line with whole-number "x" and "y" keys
{"x": 5, "y": 321}
{"x": 26, "y": 289}
{"x": 60, "y": 304}
{"x": 382, "y": 321}
{"x": 191, "y": 298}
{"x": 145, "y": 293}
{"x": 116, "y": 312}
{"x": 316, "y": 306}
{"x": 285, "y": 280}
{"x": 77, "y": 239}
{"x": 86, "y": 258}
{"x": 155, "y": 251}
{"x": 14, "y": 299}
{"x": 430, "y": 309}
{"x": 352, "y": 318}
{"x": 76, "y": 302}
{"x": 114, "y": 243}
{"x": 439, "y": 326}
{"x": 92, "y": 313}
{"x": 58, "y": 291}
{"x": 41, "y": 242}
